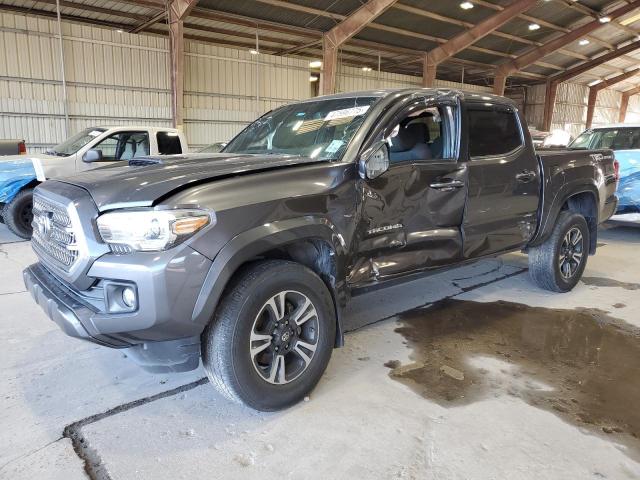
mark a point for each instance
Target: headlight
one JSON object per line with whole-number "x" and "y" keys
{"x": 152, "y": 230}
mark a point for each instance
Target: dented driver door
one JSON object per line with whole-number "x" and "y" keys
{"x": 411, "y": 215}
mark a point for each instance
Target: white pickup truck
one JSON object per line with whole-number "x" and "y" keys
{"x": 91, "y": 148}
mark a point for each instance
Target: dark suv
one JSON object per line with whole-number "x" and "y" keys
{"x": 246, "y": 260}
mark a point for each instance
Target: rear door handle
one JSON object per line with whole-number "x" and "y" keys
{"x": 447, "y": 186}
{"x": 525, "y": 176}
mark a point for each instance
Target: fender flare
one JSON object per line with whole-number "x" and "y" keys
{"x": 261, "y": 239}
{"x": 565, "y": 192}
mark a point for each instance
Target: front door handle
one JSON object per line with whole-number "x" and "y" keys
{"x": 447, "y": 186}
{"x": 525, "y": 176}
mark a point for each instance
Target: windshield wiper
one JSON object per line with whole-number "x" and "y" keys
{"x": 57, "y": 154}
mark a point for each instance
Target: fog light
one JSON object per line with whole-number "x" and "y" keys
{"x": 129, "y": 297}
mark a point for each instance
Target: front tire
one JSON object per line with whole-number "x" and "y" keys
{"x": 18, "y": 214}
{"x": 557, "y": 264}
{"x": 271, "y": 337}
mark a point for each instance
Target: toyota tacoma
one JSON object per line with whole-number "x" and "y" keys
{"x": 246, "y": 261}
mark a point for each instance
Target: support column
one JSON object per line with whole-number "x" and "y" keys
{"x": 550, "y": 96}
{"x": 499, "y": 83}
{"x": 624, "y": 105}
{"x": 429, "y": 70}
{"x": 591, "y": 104}
{"x": 329, "y": 66}
{"x": 178, "y": 11}
{"x": 176, "y": 49}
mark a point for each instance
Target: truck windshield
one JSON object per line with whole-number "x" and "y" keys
{"x": 72, "y": 144}
{"x": 625, "y": 138}
{"x": 319, "y": 129}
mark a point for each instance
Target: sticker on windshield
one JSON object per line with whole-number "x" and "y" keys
{"x": 334, "y": 146}
{"x": 94, "y": 133}
{"x": 346, "y": 112}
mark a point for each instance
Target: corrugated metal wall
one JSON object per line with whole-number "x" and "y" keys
{"x": 570, "y": 112}
{"x": 633, "y": 111}
{"x": 352, "y": 79}
{"x": 227, "y": 88}
{"x": 123, "y": 79}
{"x": 112, "y": 79}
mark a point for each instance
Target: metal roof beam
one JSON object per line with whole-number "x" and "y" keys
{"x": 540, "y": 52}
{"x": 552, "y": 84}
{"x": 624, "y": 104}
{"x": 595, "y": 89}
{"x": 347, "y": 28}
{"x": 468, "y": 37}
{"x": 385, "y": 28}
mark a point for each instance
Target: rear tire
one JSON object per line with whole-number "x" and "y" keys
{"x": 271, "y": 337}
{"x": 557, "y": 264}
{"x": 18, "y": 214}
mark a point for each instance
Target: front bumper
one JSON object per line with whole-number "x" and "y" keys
{"x": 62, "y": 306}
{"x": 160, "y": 333}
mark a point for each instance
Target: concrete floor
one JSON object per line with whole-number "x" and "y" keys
{"x": 491, "y": 410}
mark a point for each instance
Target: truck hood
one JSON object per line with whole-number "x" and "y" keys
{"x": 141, "y": 186}
{"x": 28, "y": 157}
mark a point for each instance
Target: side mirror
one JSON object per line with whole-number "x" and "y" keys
{"x": 92, "y": 156}
{"x": 375, "y": 160}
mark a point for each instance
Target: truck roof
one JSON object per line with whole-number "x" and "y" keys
{"x": 385, "y": 92}
{"x": 136, "y": 127}
{"x": 617, "y": 125}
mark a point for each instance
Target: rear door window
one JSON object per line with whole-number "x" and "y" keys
{"x": 493, "y": 131}
{"x": 168, "y": 143}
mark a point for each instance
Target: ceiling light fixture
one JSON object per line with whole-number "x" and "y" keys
{"x": 253, "y": 51}
{"x": 604, "y": 19}
{"x": 466, "y": 5}
{"x": 534, "y": 26}
{"x": 584, "y": 41}
{"x": 366, "y": 69}
{"x": 315, "y": 63}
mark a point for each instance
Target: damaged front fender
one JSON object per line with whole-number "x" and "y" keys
{"x": 14, "y": 176}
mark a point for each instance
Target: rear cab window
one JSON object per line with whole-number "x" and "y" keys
{"x": 493, "y": 130}
{"x": 168, "y": 143}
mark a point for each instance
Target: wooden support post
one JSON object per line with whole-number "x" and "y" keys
{"x": 624, "y": 105}
{"x": 178, "y": 11}
{"x": 550, "y": 96}
{"x": 499, "y": 83}
{"x": 342, "y": 32}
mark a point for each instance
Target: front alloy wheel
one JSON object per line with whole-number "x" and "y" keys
{"x": 284, "y": 337}
{"x": 272, "y": 335}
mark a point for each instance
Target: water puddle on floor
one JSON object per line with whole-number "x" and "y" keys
{"x": 609, "y": 282}
{"x": 579, "y": 364}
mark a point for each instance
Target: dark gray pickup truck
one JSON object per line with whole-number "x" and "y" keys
{"x": 246, "y": 260}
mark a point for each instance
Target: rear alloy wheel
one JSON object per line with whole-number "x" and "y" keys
{"x": 272, "y": 335}
{"x": 571, "y": 252}
{"x": 559, "y": 262}
{"x": 18, "y": 214}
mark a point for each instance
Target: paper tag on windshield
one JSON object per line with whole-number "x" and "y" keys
{"x": 95, "y": 133}
{"x": 346, "y": 112}
{"x": 333, "y": 147}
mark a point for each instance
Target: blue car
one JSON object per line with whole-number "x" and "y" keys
{"x": 624, "y": 140}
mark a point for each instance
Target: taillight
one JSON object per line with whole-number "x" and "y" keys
{"x": 616, "y": 169}
{"x": 22, "y": 148}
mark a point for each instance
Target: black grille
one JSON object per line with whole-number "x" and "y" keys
{"x": 53, "y": 237}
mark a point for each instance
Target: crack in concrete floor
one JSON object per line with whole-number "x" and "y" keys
{"x": 96, "y": 469}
